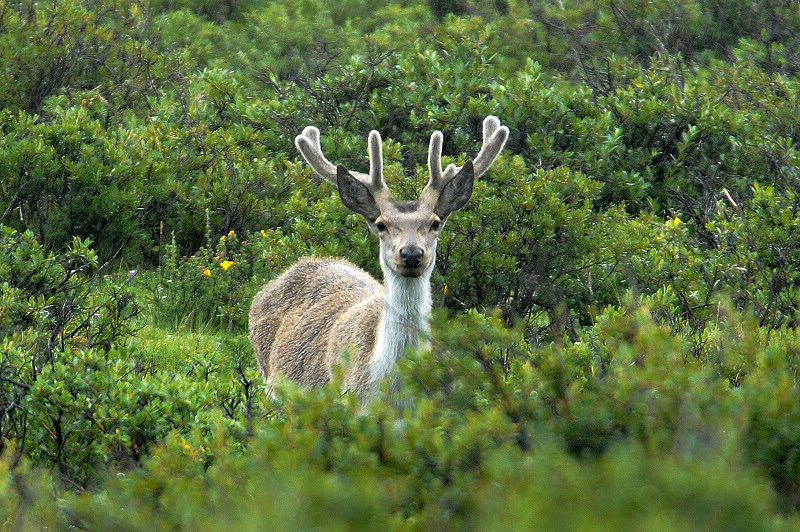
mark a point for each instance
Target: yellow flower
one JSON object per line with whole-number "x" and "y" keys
{"x": 675, "y": 222}
{"x": 263, "y": 233}
{"x": 231, "y": 232}
{"x": 207, "y": 272}
{"x": 225, "y": 264}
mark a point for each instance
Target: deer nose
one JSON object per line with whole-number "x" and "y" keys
{"x": 411, "y": 256}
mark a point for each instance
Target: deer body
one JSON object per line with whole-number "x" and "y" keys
{"x": 325, "y": 311}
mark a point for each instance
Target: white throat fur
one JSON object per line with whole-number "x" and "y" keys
{"x": 405, "y": 320}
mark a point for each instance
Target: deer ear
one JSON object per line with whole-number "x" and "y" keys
{"x": 355, "y": 195}
{"x": 456, "y": 192}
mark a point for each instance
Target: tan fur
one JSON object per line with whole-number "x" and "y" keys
{"x": 290, "y": 317}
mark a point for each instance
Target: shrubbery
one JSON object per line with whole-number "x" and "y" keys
{"x": 615, "y": 342}
{"x": 634, "y": 429}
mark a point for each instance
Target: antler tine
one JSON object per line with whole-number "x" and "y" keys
{"x": 494, "y": 138}
{"x": 309, "y": 146}
{"x": 490, "y": 125}
{"x": 435, "y": 160}
{"x": 376, "y": 161}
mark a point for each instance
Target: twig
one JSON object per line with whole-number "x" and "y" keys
{"x": 730, "y": 199}
{"x": 10, "y": 207}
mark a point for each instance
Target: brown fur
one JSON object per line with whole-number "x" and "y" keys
{"x": 290, "y": 319}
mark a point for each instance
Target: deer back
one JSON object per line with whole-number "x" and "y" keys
{"x": 294, "y": 318}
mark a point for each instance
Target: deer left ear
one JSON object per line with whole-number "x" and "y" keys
{"x": 355, "y": 195}
{"x": 456, "y": 192}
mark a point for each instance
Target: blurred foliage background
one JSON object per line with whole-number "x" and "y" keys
{"x": 615, "y": 339}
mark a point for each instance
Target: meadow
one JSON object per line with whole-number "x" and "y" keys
{"x": 615, "y": 339}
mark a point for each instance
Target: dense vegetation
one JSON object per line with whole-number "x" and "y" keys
{"x": 616, "y": 339}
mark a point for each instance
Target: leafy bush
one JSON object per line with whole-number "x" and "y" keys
{"x": 47, "y": 296}
{"x": 73, "y": 397}
{"x": 692, "y": 29}
{"x": 68, "y": 46}
{"x": 67, "y": 178}
{"x": 495, "y": 423}
{"x": 614, "y": 340}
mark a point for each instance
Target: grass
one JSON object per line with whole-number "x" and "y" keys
{"x": 184, "y": 350}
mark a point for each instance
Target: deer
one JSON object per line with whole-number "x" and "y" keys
{"x": 322, "y": 312}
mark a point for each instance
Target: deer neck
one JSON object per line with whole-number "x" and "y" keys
{"x": 405, "y": 320}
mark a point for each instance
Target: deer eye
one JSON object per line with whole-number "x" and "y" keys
{"x": 435, "y": 225}
{"x": 380, "y": 226}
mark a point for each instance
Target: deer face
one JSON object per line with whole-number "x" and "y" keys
{"x": 408, "y": 238}
{"x": 408, "y": 230}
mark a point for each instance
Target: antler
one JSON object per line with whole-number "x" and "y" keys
{"x": 309, "y": 146}
{"x": 494, "y": 138}
{"x": 376, "y": 182}
{"x": 435, "y": 161}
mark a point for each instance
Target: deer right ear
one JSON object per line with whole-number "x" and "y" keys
{"x": 355, "y": 195}
{"x": 456, "y": 192}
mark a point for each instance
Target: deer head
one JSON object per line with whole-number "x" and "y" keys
{"x": 408, "y": 230}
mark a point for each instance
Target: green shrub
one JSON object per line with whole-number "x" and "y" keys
{"x": 757, "y": 243}
{"x": 68, "y": 178}
{"x": 626, "y": 488}
{"x": 626, "y": 424}
{"x": 771, "y": 437}
{"x": 49, "y": 297}
{"x": 72, "y": 397}
{"x": 67, "y": 46}
{"x": 614, "y": 340}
